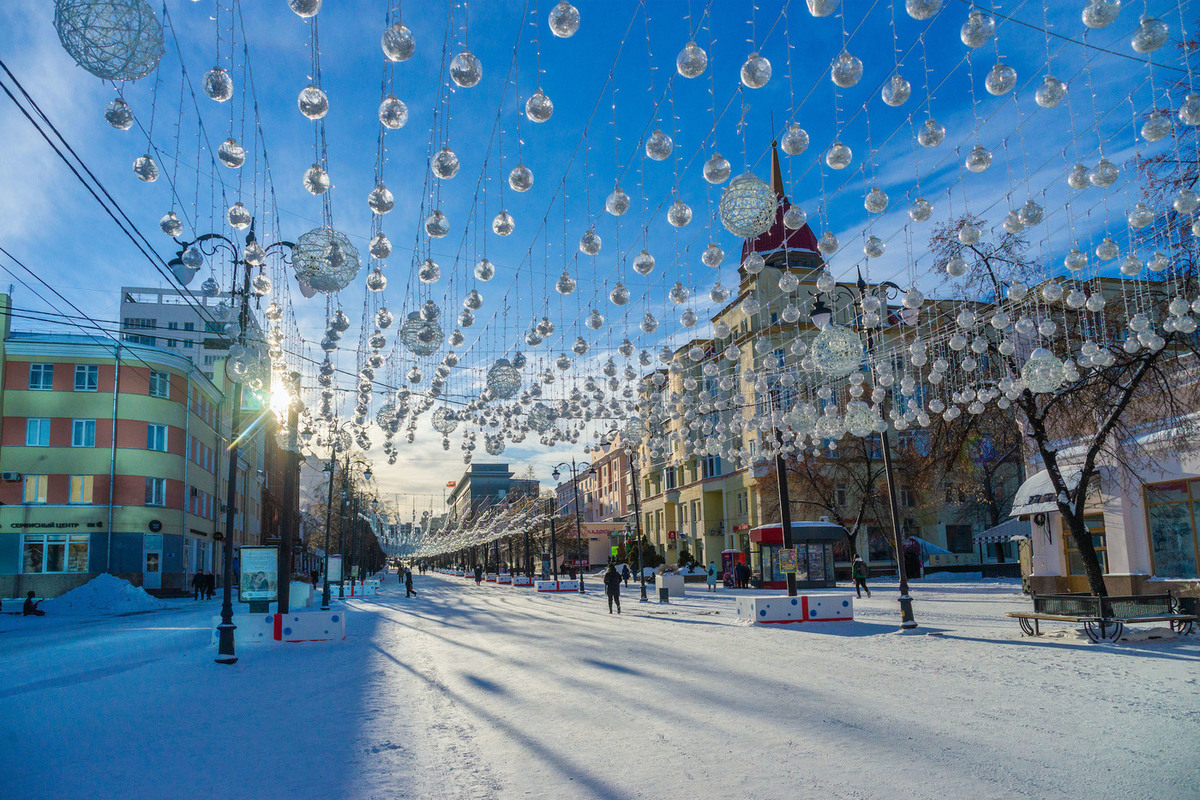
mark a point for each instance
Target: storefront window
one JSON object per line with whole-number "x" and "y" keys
{"x": 1172, "y": 515}
{"x": 55, "y": 552}
{"x": 1095, "y": 525}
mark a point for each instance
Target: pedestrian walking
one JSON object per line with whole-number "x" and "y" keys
{"x": 712, "y": 576}
{"x": 859, "y": 572}
{"x": 315, "y": 575}
{"x": 625, "y": 573}
{"x": 612, "y": 588}
{"x": 210, "y": 584}
{"x": 408, "y": 589}
{"x": 478, "y": 574}
{"x": 199, "y": 587}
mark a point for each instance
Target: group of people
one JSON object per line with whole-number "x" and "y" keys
{"x": 204, "y": 585}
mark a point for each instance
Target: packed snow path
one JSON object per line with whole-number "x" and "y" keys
{"x": 479, "y": 692}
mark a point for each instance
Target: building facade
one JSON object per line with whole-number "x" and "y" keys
{"x": 168, "y": 319}
{"x": 483, "y": 485}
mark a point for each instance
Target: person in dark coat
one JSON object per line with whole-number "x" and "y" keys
{"x": 316, "y": 574}
{"x": 30, "y": 609}
{"x": 409, "y": 591}
{"x": 210, "y": 584}
{"x": 199, "y": 587}
{"x": 478, "y": 574}
{"x": 612, "y": 588}
{"x": 625, "y": 573}
{"x": 859, "y": 572}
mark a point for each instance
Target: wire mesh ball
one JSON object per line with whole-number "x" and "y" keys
{"x": 118, "y": 40}
{"x": 747, "y": 206}
{"x": 503, "y": 379}
{"x": 444, "y": 420}
{"x": 325, "y": 260}
{"x": 837, "y": 351}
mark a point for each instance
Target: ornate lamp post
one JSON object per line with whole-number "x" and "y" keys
{"x": 576, "y": 469}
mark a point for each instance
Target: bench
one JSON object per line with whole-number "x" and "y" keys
{"x": 15, "y": 605}
{"x": 1104, "y": 618}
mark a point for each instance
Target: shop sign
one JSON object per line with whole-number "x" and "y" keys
{"x": 672, "y": 534}
{"x": 741, "y": 527}
{"x": 33, "y": 526}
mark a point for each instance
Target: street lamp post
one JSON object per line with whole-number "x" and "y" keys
{"x": 291, "y": 480}
{"x": 575, "y": 470}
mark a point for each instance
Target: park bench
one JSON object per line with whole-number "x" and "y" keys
{"x": 1104, "y": 618}
{"x": 15, "y": 605}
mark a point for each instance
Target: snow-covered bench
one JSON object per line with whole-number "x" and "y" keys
{"x": 15, "y": 605}
{"x": 1103, "y": 618}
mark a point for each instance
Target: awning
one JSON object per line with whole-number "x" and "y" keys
{"x": 1004, "y": 532}
{"x": 1037, "y": 492}
{"x": 801, "y": 532}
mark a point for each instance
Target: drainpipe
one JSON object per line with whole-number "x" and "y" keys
{"x": 187, "y": 450}
{"x": 112, "y": 457}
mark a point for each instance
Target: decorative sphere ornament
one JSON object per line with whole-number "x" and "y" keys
{"x": 956, "y": 266}
{"x": 756, "y": 72}
{"x": 118, "y": 114}
{"x": 1051, "y": 92}
{"x": 846, "y": 70}
{"x": 718, "y": 294}
{"x": 316, "y": 180}
{"x": 691, "y": 61}
{"x": 678, "y": 294}
{"x": 896, "y": 91}
{"x": 1079, "y": 177}
{"x": 679, "y": 214}
{"x": 932, "y": 133}
{"x": 380, "y": 246}
{"x": 751, "y": 306}
{"x": 521, "y": 178}
{"x": 437, "y": 225}
{"x": 473, "y": 300}
{"x": 1107, "y": 250}
{"x": 485, "y": 270}
{"x": 538, "y": 108}
{"x": 1156, "y": 127}
{"x": 876, "y": 201}
{"x": 794, "y": 142}
{"x": 398, "y": 43}
{"x": 873, "y": 247}
{"x": 465, "y": 69}
{"x": 794, "y": 218}
{"x": 305, "y": 8}
{"x": 393, "y": 113}
{"x": 145, "y": 168}
{"x": 823, "y": 8}
{"x": 617, "y": 202}
{"x": 1104, "y": 174}
{"x": 312, "y": 102}
{"x": 921, "y": 10}
{"x": 261, "y": 284}
{"x": 231, "y": 154}
{"x": 1101, "y": 13}
{"x": 590, "y": 243}
{"x": 828, "y": 244}
{"x": 838, "y": 156}
{"x": 116, "y": 40}
{"x": 580, "y": 347}
{"x": 619, "y": 295}
{"x": 649, "y": 323}
{"x": 747, "y": 206}
{"x": 1189, "y": 112}
{"x": 503, "y": 224}
{"x": 979, "y": 159}
{"x": 445, "y": 164}
{"x": 643, "y": 263}
{"x": 1186, "y": 202}
{"x": 218, "y": 85}
{"x": 1075, "y": 260}
{"x": 171, "y": 225}
{"x": 380, "y": 200}
{"x": 920, "y": 210}
{"x": 1158, "y": 262}
{"x": 595, "y": 320}
{"x": 969, "y": 234}
{"x": 565, "y": 284}
{"x": 376, "y": 282}
{"x": 429, "y": 271}
{"x": 659, "y": 145}
{"x": 1031, "y": 213}
{"x": 238, "y": 216}
{"x": 325, "y": 259}
{"x": 754, "y": 263}
{"x": 978, "y": 30}
{"x": 564, "y": 20}
{"x": 717, "y": 169}
{"x": 1043, "y": 371}
{"x": 788, "y": 282}
{"x": 1140, "y": 216}
{"x": 1000, "y": 79}
{"x": 837, "y": 351}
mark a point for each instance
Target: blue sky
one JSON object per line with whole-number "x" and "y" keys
{"x": 48, "y": 221}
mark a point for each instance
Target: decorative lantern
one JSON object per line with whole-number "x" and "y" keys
{"x": 325, "y": 260}
{"x": 748, "y": 206}
{"x": 117, "y": 40}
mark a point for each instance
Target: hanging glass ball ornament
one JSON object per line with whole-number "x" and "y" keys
{"x": 380, "y": 246}
{"x": 649, "y": 323}
{"x": 1043, "y": 371}
{"x": 398, "y": 43}
{"x": 873, "y": 247}
{"x": 1051, "y": 92}
{"x": 896, "y": 91}
{"x": 393, "y": 113}
{"x": 312, "y": 102}
{"x": 794, "y": 218}
{"x": 521, "y": 178}
{"x": 846, "y": 70}
{"x": 118, "y": 114}
{"x": 617, "y": 202}
{"x": 589, "y": 243}
{"x": 756, "y": 72}
{"x": 1141, "y": 216}
{"x": 717, "y": 169}
{"x": 788, "y": 282}
{"x": 659, "y": 145}
{"x": 920, "y": 210}
{"x": 473, "y": 300}
{"x": 718, "y": 294}
{"x": 192, "y": 258}
{"x": 580, "y": 347}
{"x": 595, "y": 320}
{"x": 747, "y": 206}
{"x": 465, "y": 69}
{"x": 828, "y": 244}
{"x": 429, "y": 271}
{"x": 1079, "y": 177}
{"x": 969, "y": 233}
{"x": 754, "y": 263}
{"x": 485, "y": 270}
{"x": 838, "y": 156}
{"x": 538, "y": 108}
{"x": 751, "y": 306}
{"x": 503, "y": 224}
{"x": 922, "y": 10}
{"x": 956, "y": 266}
{"x": 376, "y": 282}
{"x": 979, "y": 159}
{"x": 116, "y": 40}
{"x": 678, "y": 294}
{"x": 619, "y": 294}
{"x": 260, "y": 284}
{"x": 1156, "y": 127}
{"x": 837, "y": 351}
{"x": 316, "y": 180}
{"x": 145, "y": 168}
{"x": 795, "y": 140}
{"x": 1031, "y": 213}
{"x": 171, "y": 225}
{"x": 238, "y": 216}
{"x": 218, "y": 85}
{"x": 876, "y": 201}
{"x": 1158, "y": 262}
{"x": 823, "y": 8}
{"x": 564, "y": 20}
{"x": 231, "y": 154}
{"x": 1186, "y": 201}
{"x": 691, "y": 61}
{"x": 1189, "y": 112}
{"x": 325, "y": 259}
{"x": 1075, "y": 260}
{"x": 437, "y": 225}
{"x": 383, "y": 319}
{"x": 445, "y": 164}
{"x": 1150, "y": 35}
{"x": 932, "y": 133}
{"x": 978, "y": 30}
{"x": 679, "y": 214}
{"x": 1104, "y": 174}
{"x": 305, "y": 8}
{"x": 1101, "y": 13}
{"x": 565, "y": 284}
{"x": 380, "y": 200}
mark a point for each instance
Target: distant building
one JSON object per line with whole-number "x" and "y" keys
{"x": 484, "y": 485}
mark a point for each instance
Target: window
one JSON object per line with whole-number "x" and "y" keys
{"x": 156, "y": 491}
{"x": 840, "y": 493}
{"x": 189, "y": 326}
{"x": 35, "y": 489}
{"x": 187, "y": 344}
{"x": 54, "y": 552}
{"x": 669, "y": 475}
{"x": 906, "y": 497}
{"x": 83, "y": 433}
{"x": 156, "y": 437}
{"x": 160, "y": 384}
{"x": 712, "y": 466}
{"x": 87, "y": 377}
{"x": 1095, "y": 526}
{"x": 81, "y": 490}
{"x": 41, "y": 377}
{"x": 1173, "y": 516}
{"x": 37, "y": 432}
{"x": 958, "y": 538}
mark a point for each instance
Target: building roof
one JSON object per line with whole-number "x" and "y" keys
{"x": 778, "y": 237}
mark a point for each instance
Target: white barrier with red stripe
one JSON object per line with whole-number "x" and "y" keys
{"x": 522, "y": 581}
{"x": 775, "y": 610}
{"x": 303, "y": 626}
{"x": 557, "y": 586}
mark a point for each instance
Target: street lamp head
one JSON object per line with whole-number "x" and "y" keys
{"x": 556, "y": 474}
{"x": 367, "y": 474}
{"x": 821, "y": 314}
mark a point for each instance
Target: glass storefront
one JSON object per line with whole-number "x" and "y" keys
{"x": 1172, "y": 516}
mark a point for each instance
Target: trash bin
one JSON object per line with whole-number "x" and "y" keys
{"x": 664, "y": 594}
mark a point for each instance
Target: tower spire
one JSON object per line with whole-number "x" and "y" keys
{"x": 776, "y": 175}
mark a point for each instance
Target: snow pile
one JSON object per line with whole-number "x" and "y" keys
{"x": 104, "y": 594}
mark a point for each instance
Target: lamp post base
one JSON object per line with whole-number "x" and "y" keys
{"x": 907, "y": 620}
{"x": 225, "y": 651}
{"x": 581, "y": 584}
{"x": 644, "y": 598}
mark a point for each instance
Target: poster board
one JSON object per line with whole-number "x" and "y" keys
{"x": 335, "y": 569}
{"x": 787, "y": 560}
{"x": 259, "y": 579}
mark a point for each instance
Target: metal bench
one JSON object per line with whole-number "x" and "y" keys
{"x": 1104, "y": 618}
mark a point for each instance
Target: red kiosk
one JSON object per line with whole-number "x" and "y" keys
{"x": 814, "y": 543}
{"x": 729, "y": 559}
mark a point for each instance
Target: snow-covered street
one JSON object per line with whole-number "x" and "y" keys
{"x": 477, "y": 692}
